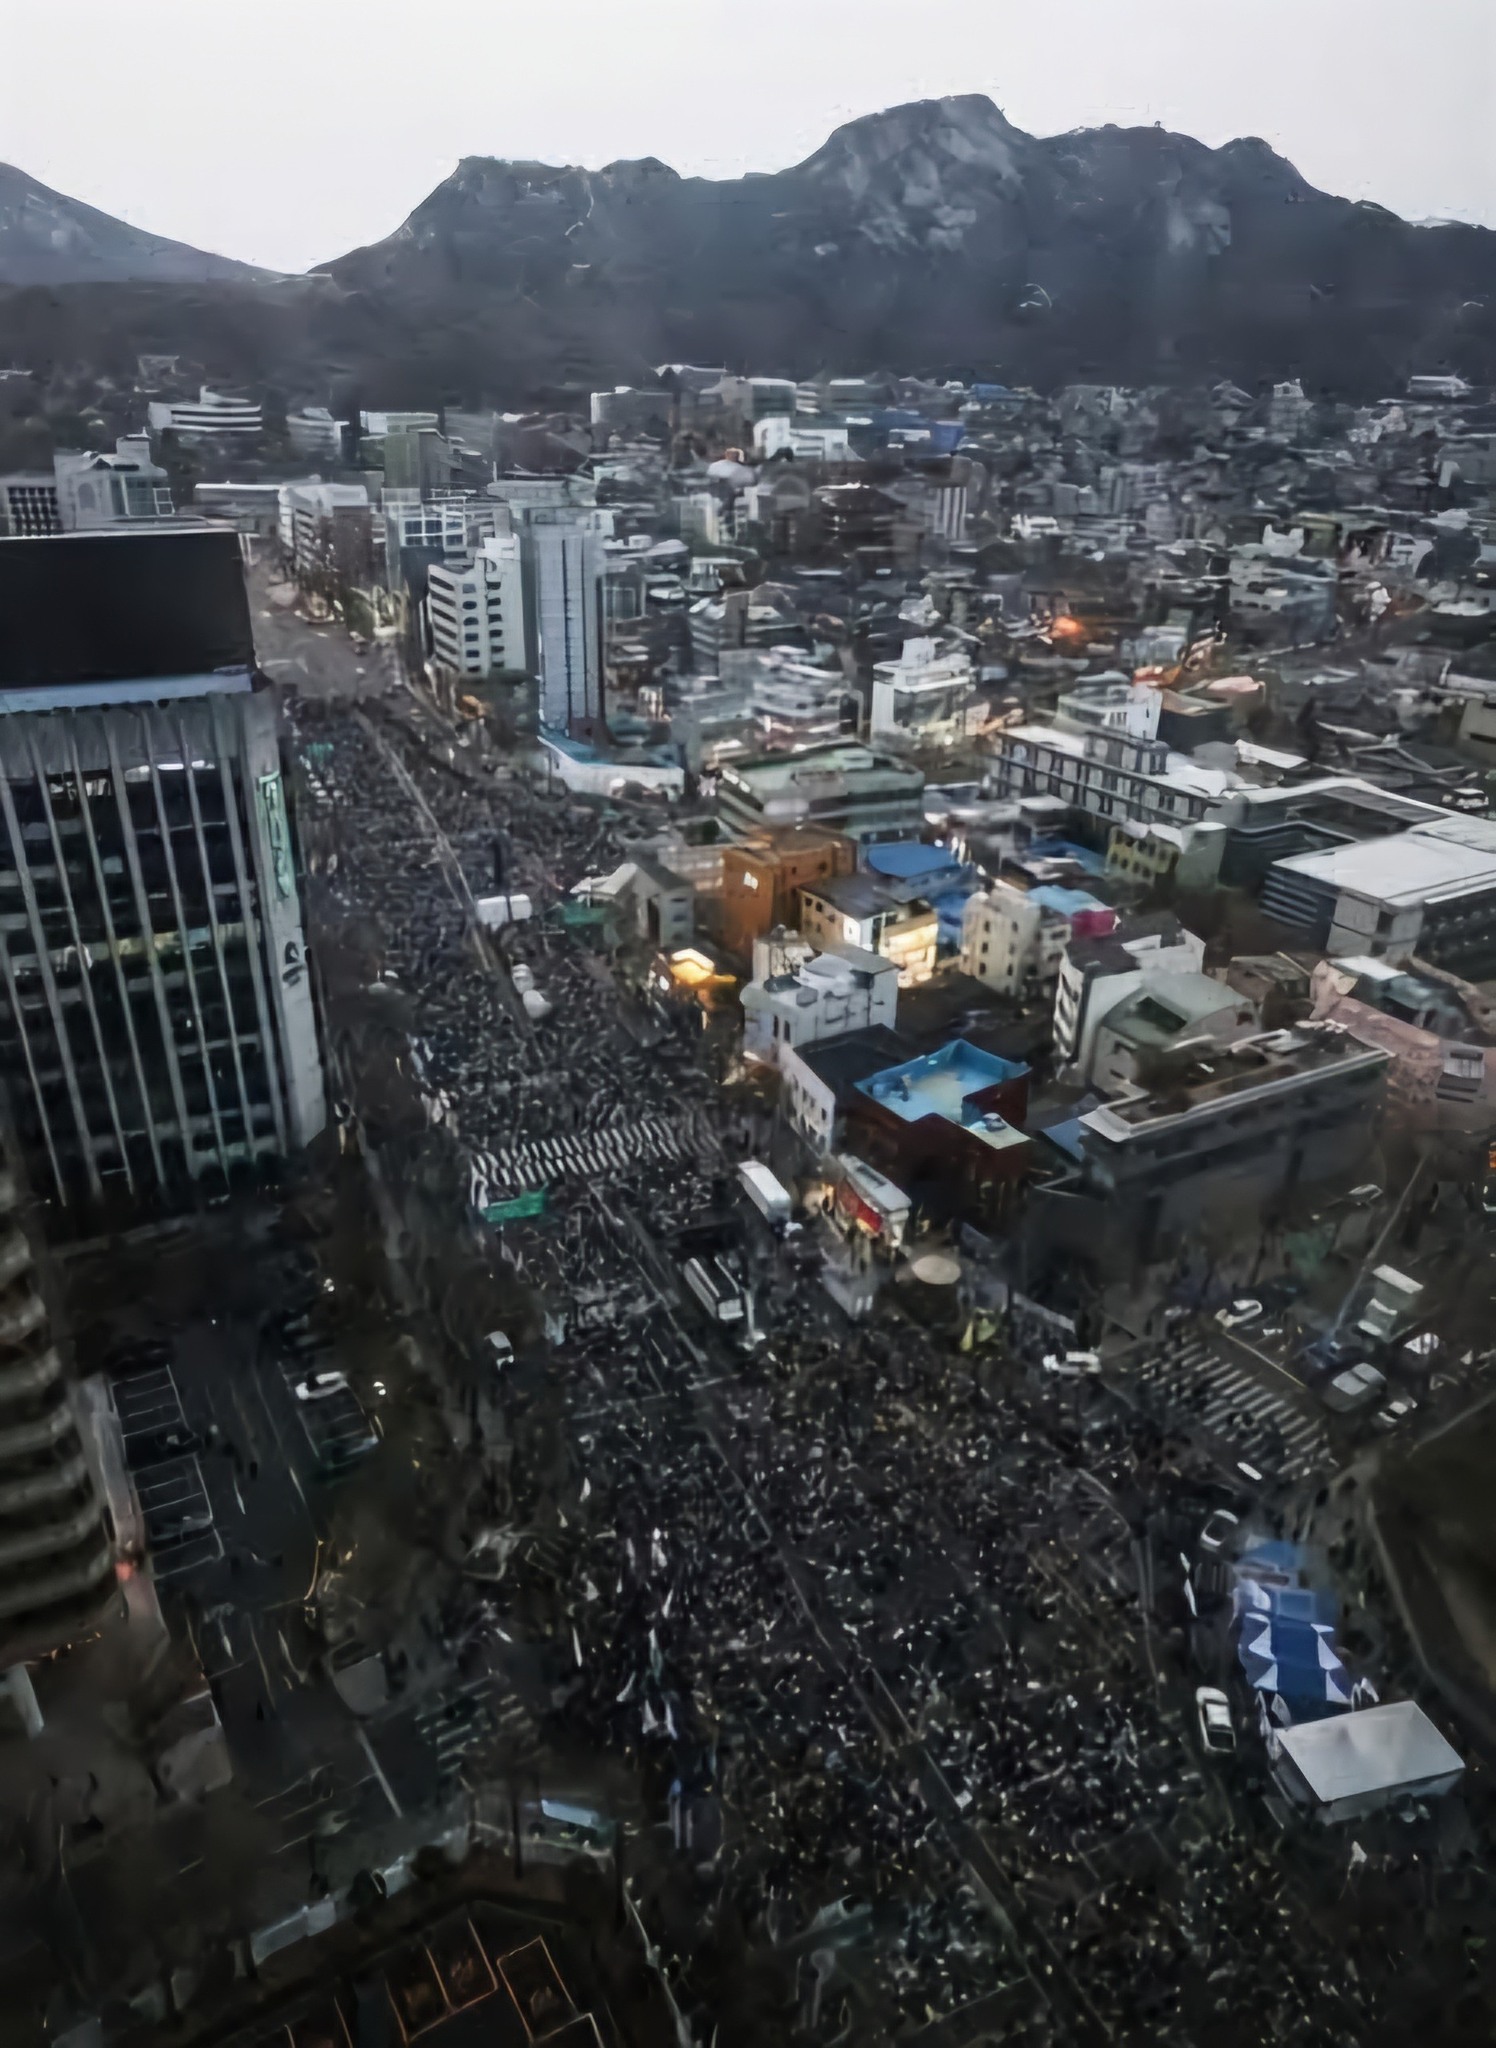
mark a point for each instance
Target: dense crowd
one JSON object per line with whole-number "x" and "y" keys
{"x": 861, "y": 1611}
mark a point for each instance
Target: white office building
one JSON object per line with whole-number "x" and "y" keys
{"x": 477, "y": 615}
{"x": 210, "y": 416}
{"x": 798, "y": 995}
{"x": 561, "y": 551}
{"x": 927, "y": 697}
{"x": 110, "y": 490}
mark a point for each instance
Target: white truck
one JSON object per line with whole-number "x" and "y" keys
{"x": 768, "y": 1195}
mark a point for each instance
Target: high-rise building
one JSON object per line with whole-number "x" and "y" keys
{"x": 562, "y": 554}
{"x": 477, "y": 615}
{"x": 156, "y": 1022}
{"x": 56, "y": 1546}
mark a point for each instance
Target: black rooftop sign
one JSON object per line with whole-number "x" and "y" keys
{"x": 121, "y": 607}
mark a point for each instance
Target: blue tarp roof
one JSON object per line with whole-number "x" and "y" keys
{"x": 902, "y": 859}
{"x": 1286, "y": 1634}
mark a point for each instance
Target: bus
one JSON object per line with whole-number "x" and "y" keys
{"x": 717, "y": 1288}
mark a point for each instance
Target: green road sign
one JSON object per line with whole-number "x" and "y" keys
{"x": 517, "y": 1210}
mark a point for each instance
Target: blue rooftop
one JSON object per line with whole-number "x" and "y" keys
{"x": 1068, "y": 902}
{"x": 903, "y": 859}
{"x": 941, "y": 1083}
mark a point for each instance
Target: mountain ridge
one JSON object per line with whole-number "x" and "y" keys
{"x": 935, "y": 235}
{"x": 48, "y": 238}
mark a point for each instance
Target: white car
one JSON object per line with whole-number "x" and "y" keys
{"x": 317, "y": 1386}
{"x": 498, "y": 1349}
{"x": 1213, "y": 1712}
{"x": 1357, "y": 1387}
{"x": 1072, "y": 1365}
{"x": 1219, "y": 1530}
{"x": 1396, "y": 1411}
{"x": 1239, "y": 1312}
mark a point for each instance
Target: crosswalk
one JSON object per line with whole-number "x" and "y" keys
{"x": 598, "y": 1154}
{"x": 475, "y": 1731}
{"x": 1198, "y": 1386}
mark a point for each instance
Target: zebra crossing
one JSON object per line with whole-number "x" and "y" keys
{"x": 597, "y": 1154}
{"x": 1197, "y": 1386}
{"x": 475, "y": 1731}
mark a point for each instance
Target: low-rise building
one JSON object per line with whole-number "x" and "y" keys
{"x": 1014, "y": 940}
{"x": 863, "y": 910}
{"x": 327, "y": 528}
{"x": 947, "y": 1126}
{"x": 1098, "y": 973}
{"x": 1106, "y": 772}
{"x": 844, "y": 787}
{"x": 122, "y": 488}
{"x": 820, "y": 1080}
{"x": 211, "y": 416}
{"x": 1220, "y": 1135}
{"x": 658, "y": 904}
{"x": 28, "y": 505}
{"x": 798, "y": 1001}
{"x": 1168, "y": 1012}
{"x": 1439, "y": 1034}
{"x": 1430, "y": 891}
{"x": 761, "y": 881}
{"x": 314, "y": 432}
{"x": 927, "y": 697}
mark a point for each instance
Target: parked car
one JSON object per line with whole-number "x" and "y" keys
{"x": 498, "y": 1349}
{"x": 1220, "y": 1532}
{"x": 1355, "y": 1388}
{"x": 317, "y": 1386}
{"x": 1238, "y": 1312}
{"x": 1396, "y": 1411}
{"x": 1213, "y": 1713}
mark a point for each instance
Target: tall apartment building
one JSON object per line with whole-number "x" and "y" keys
{"x": 156, "y": 1020}
{"x": 56, "y": 1545}
{"x": 562, "y": 555}
{"x": 477, "y": 615}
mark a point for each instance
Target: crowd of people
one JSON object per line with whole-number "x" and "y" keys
{"x": 864, "y": 1614}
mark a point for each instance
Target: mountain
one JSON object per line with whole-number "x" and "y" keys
{"x": 934, "y": 236}
{"x": 49, "y": 239}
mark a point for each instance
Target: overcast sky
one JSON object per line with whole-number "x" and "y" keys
{"x": 288, "y": 131}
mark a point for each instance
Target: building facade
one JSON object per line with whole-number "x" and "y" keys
{"x": 57, "y": 1550}
{"x": 28, "y": 506}
{"x": 794, "y": 1002}
{"x": 845, "y": 787}
{"x": 561, "y": 552}
{"x": 862, "y": 911}
{"x": 1106, "y": 772}
{"x": 211, "y": 416}
{"x": 1231, "y": 1131}
{"x": 156, "y": 1021}
{"x": 1014, "y": 940}
{"x": 477, "y": 615}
